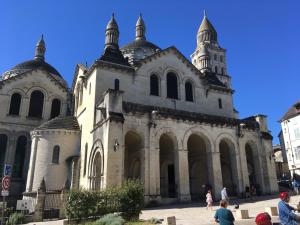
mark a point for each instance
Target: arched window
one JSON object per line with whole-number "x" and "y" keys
{"x": 172, "y": 89}
{"x": 85, "y": 158}
{"x": 154, "y": 85}
{"x": 3, "y": 145}
{"x": 215, "y": 56}
{"x": 117, "y": 84}
{"x": 55, "y": 109}
{"x": 221, "y": 58}
{"x": 15, "y": 103}
{"x": 189, "y": 91}
{"x": 222, "y": 71}
{"x": 80, "y": 94}
{"x": 20, "y": 157}
{"x": 220, "y": 103}
{"x": 36, "y": 104}
{"x": 216, "y": 69}
{"x": 55, "y": 154}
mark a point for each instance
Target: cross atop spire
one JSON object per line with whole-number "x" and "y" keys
{"x": 204, "y": 13}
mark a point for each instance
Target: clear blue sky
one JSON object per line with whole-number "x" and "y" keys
{"x": 261, "y": 38}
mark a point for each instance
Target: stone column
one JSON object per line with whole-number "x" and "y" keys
{"x": 183, "y": 174}
{"x": 216, "y": 174}
{"x": 154, "y": 175}
{"x": 244, "y": 166}
{"x": 30, "y": 174}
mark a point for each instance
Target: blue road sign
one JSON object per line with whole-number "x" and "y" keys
{"x": 7, "y": 170}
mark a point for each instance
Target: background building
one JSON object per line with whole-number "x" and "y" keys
{"x": 290, "y": 124}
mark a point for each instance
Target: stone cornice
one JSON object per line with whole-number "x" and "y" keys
{"x": 129, "y": 107}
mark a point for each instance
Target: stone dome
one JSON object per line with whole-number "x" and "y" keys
{"x": 28, "y": 66}
{"x": 138, "y": 50}
{"x": 37, "y": 63}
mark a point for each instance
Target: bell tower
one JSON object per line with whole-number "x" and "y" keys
{"x": 209, "y": 55}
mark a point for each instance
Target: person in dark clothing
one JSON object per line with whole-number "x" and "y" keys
{"x": 223, "y": 215}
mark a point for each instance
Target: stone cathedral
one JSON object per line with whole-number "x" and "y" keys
{"x": 138, "y": 112}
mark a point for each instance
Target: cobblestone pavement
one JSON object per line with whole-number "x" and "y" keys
{"x": 196, "y": 214}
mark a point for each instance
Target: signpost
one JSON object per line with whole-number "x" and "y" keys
{"x": 5, "y": 186}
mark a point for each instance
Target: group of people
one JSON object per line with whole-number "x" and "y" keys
{"x": 224, "y": 216}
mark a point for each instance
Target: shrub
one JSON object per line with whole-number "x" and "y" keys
{"x": 16, "y": 218}
{"x": 110, "y": 219}
{"x": 132, "y": 199}
{"x": 81, "y": 204}
{"x": 128, "y": 200}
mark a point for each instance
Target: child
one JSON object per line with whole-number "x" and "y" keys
{"x": 209, "y": 200}
{"x": 223, "y": 215}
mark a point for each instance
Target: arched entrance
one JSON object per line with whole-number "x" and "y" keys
{"x": 96, "y": 172}
{"x": 133, "y": 156}
{"x": 253, "y": 166}
{"x": 168, "y": 173}
{"x": 228, "y": 166}
{"x": 198, "y": 166}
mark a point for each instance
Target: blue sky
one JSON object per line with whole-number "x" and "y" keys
{"x": 261, "y": 38}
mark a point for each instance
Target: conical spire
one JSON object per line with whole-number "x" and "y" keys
{"x": 206, "y": 32}
{"x": 140, "y": 29}
{"x": 112, "y": 34}
{"x": 40, "y": 49}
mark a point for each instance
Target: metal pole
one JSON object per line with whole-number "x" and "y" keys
{"x": 3, "y": 205}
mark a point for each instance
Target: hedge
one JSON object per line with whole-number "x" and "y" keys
{"x": 128, "y": 200}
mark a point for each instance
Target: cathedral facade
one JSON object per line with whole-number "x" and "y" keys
{"x": 138, "y": 112}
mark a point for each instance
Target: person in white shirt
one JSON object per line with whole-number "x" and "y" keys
{"x": 224, "y": 195}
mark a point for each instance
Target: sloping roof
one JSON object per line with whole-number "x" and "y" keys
{"x": 65, "y": 123}
{"x": 292, "y": 112}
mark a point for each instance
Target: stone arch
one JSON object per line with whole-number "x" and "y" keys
{"x": 36, "y": 88}
{"x": 168, "y": 162}
{"x": 96, "y": 165}
{"x": 229, "y": 163}
{"x": 199, "y": 165}
{"x": 133, "y": 155}
{"x": 163, "y": 130}
{"x": 202, "y": 132}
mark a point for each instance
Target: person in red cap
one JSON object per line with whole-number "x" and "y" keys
{"x": 286, "y": 212}
{"x": 263, "y": 219}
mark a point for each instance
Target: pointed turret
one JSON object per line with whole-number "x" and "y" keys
{"x": 112, "y": 34}
{"x": 40, "y": 49}
{"x": 207, "y": 32}
{"x": 140, "y": 29}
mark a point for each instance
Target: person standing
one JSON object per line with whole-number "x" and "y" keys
{"x": 223, "y": 215}
{"x": 286, "y": 214}
{"x": 209, "y": 200}
{"x": 295, "y": 185}
{"x": 224, "y": 195}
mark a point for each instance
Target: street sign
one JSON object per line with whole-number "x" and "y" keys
{"x": 5, "y": 183}
{"x": 5, "y": 193}
{"x": 7, "y": 170}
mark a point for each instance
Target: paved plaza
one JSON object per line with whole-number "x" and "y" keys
{"x": 196, "y": 214}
